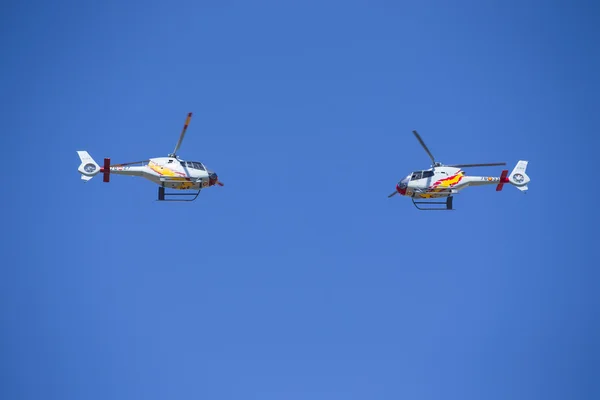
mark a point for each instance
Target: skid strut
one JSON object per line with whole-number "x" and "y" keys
{"x": 447, "y": 203}
{"x": 164, "y": 195}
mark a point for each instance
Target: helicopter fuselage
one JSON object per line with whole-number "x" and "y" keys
{"x": 171, "y": 173}
{"x": 441, "y": 182}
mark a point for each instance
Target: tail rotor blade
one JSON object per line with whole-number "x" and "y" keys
{"x": 424, "y": 146}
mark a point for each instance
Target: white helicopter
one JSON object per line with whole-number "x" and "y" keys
{"x": 168, "y": 172}
{"x": 446, "y": 180}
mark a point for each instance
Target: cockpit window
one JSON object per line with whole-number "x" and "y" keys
{"x": 421, "y": 174}
{"x": 416, "y": 175}
{"x": 193, "y": 164}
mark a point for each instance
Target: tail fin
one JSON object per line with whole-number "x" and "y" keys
{"x": 88, "y": 168}
{"x": 518, "y": 177}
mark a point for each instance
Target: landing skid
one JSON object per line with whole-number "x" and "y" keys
{"x": 163, "y": 196}
{"x": 447, "y": 203}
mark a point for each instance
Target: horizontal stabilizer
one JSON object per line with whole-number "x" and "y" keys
{"x": 106, "y": 170}
{"x": 503, "y": 180}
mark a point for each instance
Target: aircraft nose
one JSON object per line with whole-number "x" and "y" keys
{"x": 401, "y": 190}
{"x": 214, "y": 179}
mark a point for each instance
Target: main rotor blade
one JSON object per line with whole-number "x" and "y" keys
{"x": 393, "y": 194}
{"x": 475, "y": 165}
{"x": 187, "y": 122}
{"x": 130, "y": 163}
{"x": 424, "y": 146}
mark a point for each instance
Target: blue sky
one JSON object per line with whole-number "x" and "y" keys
{"x": 299, "y": 279}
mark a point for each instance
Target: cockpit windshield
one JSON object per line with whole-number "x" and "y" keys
{"x": 420, "y": 175}
{"x": 403, "y": 184}
{"x": 193, "y": 165}
{"x": 416, "y": 175}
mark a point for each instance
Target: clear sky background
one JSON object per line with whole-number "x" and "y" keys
{"x": 299, "y": 279}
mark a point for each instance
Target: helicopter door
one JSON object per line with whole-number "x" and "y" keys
{"x": 422, "y": 181}
{"x": 428, "y": 177}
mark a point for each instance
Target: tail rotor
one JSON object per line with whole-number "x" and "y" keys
{"x": 88, "y": 167}
{"x": 518, "y": 177}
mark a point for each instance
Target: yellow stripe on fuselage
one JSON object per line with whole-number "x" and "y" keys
{"x": 164, "y": 171}
{"x": 451, "y": 181}
{"x": 443, "y": 184}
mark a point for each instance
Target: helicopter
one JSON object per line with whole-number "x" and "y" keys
{"x": 444, "y": 181}
{"x": 169, "y": 172}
